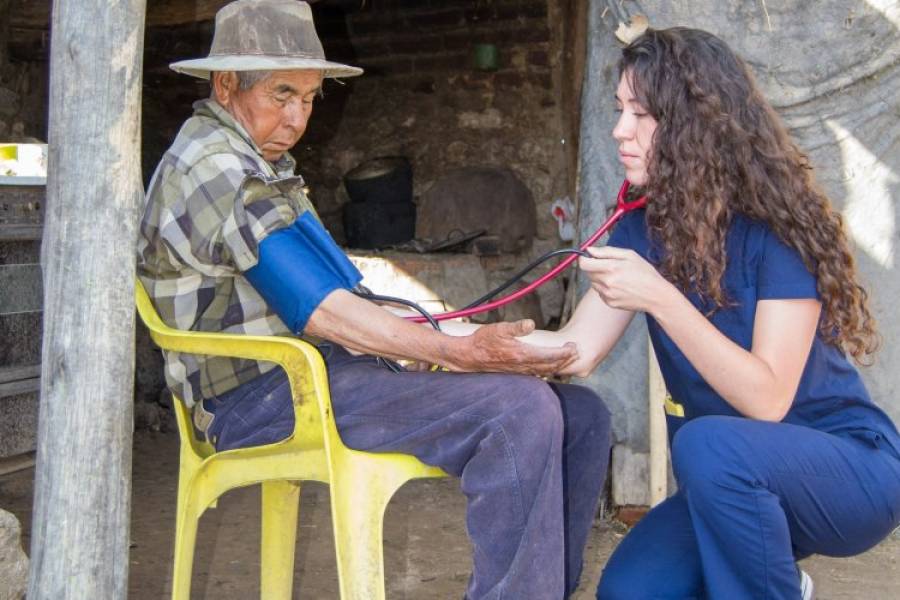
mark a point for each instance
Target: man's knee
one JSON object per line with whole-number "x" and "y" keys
{"x": 531, "y": 409}
{"x": 584, "y": 413}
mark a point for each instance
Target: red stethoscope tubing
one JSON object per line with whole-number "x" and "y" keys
{"x": 622, "y": 207}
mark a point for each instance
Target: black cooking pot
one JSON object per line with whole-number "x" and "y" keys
{"x": 368, "y": 225}
{"x": 382, "y": 180}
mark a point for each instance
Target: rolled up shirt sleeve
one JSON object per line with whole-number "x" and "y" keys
{"x": 223, "y": 212}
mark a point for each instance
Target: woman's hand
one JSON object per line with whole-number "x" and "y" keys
{"x": 624, "y": 279}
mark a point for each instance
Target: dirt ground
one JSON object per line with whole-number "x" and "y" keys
{"x": 426, "y": 549}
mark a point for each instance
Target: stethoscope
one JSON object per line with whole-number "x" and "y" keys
{"x": 485, "y": 304}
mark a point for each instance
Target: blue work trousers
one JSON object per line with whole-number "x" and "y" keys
{"x": 531, "y": 456}
{"x": 753, "y": 497}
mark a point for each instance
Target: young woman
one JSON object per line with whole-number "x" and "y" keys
{"x": 743, "y": 271}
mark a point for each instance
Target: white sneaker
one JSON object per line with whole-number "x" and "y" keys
{"x": 807, "y": 589}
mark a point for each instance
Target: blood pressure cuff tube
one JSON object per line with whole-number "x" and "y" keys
{"x": 298, "y": 267}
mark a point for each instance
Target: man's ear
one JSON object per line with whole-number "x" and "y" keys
{"x": 224, "y": 84}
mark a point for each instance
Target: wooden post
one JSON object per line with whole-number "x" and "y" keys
{"x": 659, "y": 446}
{"x": 80, "y": 535}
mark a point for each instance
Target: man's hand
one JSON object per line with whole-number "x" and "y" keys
{"x": 361, "y": 326}
{"x": 494, "y": 348}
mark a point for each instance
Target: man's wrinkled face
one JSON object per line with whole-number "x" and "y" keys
{"x": 274, "y": 111}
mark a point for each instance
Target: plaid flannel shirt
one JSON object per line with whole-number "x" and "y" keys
{"x": 212, "y": 199}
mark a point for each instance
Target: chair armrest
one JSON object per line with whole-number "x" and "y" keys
{"x": 269, "y": 348}
{"x": 300, "y": 360}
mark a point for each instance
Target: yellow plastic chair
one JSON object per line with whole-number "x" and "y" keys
{"x": 361, "y": 483}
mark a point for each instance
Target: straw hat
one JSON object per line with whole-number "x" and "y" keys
{"x": 264, "y": 35}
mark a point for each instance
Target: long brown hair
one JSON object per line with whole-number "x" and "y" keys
{"x": 719, "y": 150}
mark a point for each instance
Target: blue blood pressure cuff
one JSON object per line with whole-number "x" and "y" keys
{"x": 298, "y": 267}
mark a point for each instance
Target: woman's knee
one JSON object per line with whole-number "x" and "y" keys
{"x": 658, "y": 558}
{"x": 617, "y": 585}
{"x": 631, "y": 581}
{"x": 707, "y": 449}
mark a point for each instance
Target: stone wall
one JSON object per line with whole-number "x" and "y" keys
{"x": 23, "y": 92}
{"x": 13, "y": 562}
{"x": 422, "y": 96}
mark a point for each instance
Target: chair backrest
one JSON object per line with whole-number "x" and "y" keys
{"x": 157, "y": 328}
{"x": 300, "y": 360}
{"x": 146, "y": 309}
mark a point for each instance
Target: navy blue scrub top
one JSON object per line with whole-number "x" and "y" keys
{"x": 831, "y": 396}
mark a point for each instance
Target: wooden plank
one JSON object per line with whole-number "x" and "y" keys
{"x": 87, "y": 379}
{"x": 35, "y": 14}
{"x": 28, "y": 44}
{"x": 17, "y": 232}
{"x": 19, "y": 180}
{"x": 16, "y": 463}
{"x": 163, "y": 13}
{"x": 21, "y": 289}
{"x": 29, "y": 14}
{"x": 21, "y": 205}
{"x": 17, "y": 388}
{"x": 17, "y": 373}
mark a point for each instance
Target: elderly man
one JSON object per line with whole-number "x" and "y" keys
{"x": 229, "y": 242}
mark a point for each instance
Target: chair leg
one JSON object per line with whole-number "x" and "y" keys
{"x": 357, "y": 511}
{"x": 185, "y": 539}
{"x": 280, "y": 503}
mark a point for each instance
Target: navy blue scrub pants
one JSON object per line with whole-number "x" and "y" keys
{"x": 752, "y": 498}
{"x": 531, "y": 456}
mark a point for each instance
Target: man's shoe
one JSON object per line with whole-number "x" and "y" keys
{"x": 807, "y": 589}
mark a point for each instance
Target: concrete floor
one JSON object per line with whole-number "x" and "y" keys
{"x": 426, "y": 548}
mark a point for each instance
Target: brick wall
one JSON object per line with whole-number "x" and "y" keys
{"x": 424, "y": 37}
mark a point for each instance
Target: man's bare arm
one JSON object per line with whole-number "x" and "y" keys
{"x": 363, "y": 326}
{"x": 594, "y": 329}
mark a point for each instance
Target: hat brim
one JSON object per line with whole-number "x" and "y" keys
{"x": 201, "y": 67}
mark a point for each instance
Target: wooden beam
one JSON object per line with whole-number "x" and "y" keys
{"x": 15, "y": 463}
{"x": 18, "y": 373}
{"x": 29, "y": 45}
{"x": 29, "y": 14}
{"x": 20, "y": 288}
{"x": 35, "y": 14}
{"x": 163, "y": 13}
{"x": 17, "y": 388}
{"x": 81, "y": 517}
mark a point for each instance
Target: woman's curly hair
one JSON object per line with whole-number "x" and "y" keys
{"x": 720, "y": 149}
